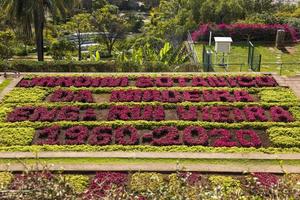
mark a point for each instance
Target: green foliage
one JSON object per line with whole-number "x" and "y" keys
{"x": 4, "y": 110}
{"x": 80, "y": 23}
{"x": 79, "y": 183}
{"x": 16, "y": 136}
{"x": 140, "y": 148}
{"x": 6, "y": 44}
{"x": 278, "y": 95}
{"x": 4, "y": 84}
{"x": 226, "y": 184}
{"x": 5, "y": 180}
{"x": 221, "y": 11}
{"x": 61, "y": 48}
{"x": 285, "y": 137}
{"x": 110, "y": 24}
{"x": 25, "y": 95}
{"x": 296, "y": 112}
{"x": 146, "y": 182}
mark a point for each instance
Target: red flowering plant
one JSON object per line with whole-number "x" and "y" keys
{"x": 164, "y": 82}
{"x": 171, "y": 96}
{"x": 279, "y": 114}
{"x": 84, "y": 96}
{"x": 143, "y": 82}
{"x": 43, "y": 114}
{"x": 244, "y": 32}
{"x": 248, "y": 138}
{"x": 49, "y": 136}
{"x": 187, "y": 114}
{"x": 266, "y": 81}
{"x": 101, "y": 136}
{"x": 245, "y": 81}
{"x": 89, "y": 115}
{"x": 81, "y": 81}
{"x": 165, "y": 135}
{"x": 255, "y": 113}
{"x": 195, "y": 135}
{"x": 242, "y": 96}
{"x": 68, "y": 113}
{"x": 224, "y": 138}
{"x": 127, "y": 135}
{"x": 20, "y": 114}
{"x": 149, "y": 113}
{"x": 62, "y": 96}
{"x": 266, "y": 180}
{"x": 192, "y": 96}
{"x": 76, "y": 135}
{"x": 103, "y": 182}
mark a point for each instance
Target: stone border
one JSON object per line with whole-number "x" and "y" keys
{"x": 150, "y": 155}
{"x": 157, "y": 167}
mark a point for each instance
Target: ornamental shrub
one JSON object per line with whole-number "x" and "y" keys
{"x": 226, "y": 184}
{"x": 79, "y": 183}
{"x": 284, "y": 137}
{"x": 25, "y": 95}
{"x": 16, "y": 136}
{"x": 146, "y": 182}
{"x": 5, "y": 180}
{"x": 245, "y": 32}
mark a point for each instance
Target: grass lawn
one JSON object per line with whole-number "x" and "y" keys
{"x": 137, "y": 161}
{"x": 271, "y": 58}
{"x": 4, "y": 84}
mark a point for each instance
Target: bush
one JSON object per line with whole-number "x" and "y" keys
{"x": 226, "y": 184}
{"x": 79, "y": 183}
{"x": 146, "y": 182}
{"x": 279, "y": 95}
{"x": 285, "y": 137}
{"x": 5, "y": 180}
{"x": 16, "y": 136}
{"x": 245, "y": 32}
{"x": 25, "y": 95}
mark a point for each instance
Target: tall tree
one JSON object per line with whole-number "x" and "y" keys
{"x": 33, "y": 13}
{"x": 79, "y": 24}
{"x": 110, "y": 25}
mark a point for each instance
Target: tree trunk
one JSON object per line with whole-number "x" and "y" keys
{"x": 39, "y": 28}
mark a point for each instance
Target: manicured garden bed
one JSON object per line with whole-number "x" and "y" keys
{"x": 201, "y": 112}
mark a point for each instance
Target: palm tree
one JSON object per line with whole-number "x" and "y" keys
{"x": 34, "y": 13}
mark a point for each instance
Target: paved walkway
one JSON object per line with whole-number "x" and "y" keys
{"x": 159, "y": 167}
{"x": 151, "y": 155}
{"x": 10, "y": 87}
{"x": 292, "y": 82}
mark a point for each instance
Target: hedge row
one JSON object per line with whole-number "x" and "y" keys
{"x": 120, "y": 148}
{"x": 142, "y": 104}
{"x": 134, "y": 76}
{"x": 285, "y": 137}
{"x": 79, "y": 183}
{"x": 279, "y": 136}
{"x": 152, "y": 124}
{"x": 28, "y": 95}
{"x": 88, "y": 66}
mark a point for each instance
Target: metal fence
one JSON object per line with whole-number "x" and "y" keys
{"x": 254, "y": 58}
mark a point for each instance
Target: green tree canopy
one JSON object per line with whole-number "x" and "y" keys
{"x": 33, "y": 13}
{"x": 79, "y": 24}
{"x": 110, "y": 25}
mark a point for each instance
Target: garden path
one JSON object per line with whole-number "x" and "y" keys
{"x": 10, "y": 87}
{"x": 293, "y": 82}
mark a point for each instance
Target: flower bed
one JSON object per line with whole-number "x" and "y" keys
{"x": 145, "y": 82}
{"x": 152, "y": 113}
{"x": 189, "y": 113}
{"x": 160, "y": 136}
{"x": 172, "y": 96}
